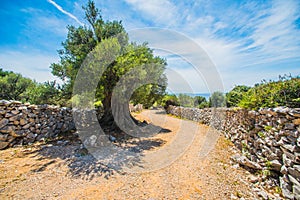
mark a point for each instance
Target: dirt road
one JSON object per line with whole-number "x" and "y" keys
{"x": 175, "y": 165}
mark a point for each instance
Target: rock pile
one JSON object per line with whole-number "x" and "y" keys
{"x": 269, "y": 139}
{"x": 135, "y": 108}
{"x": 25, "y": 123}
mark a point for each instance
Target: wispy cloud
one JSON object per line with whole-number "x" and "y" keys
{"x": 65, "y": 12}
{"x": 249, "y": 34}
{"x": 255, "y": 34}
{"x": 32, "y": 64}
{"x": 247, "y": 40}
{"x": 161, "y": 12}
{"x": 250, "y": 37}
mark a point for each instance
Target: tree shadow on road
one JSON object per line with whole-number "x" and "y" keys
{"x": 82, "y": 164}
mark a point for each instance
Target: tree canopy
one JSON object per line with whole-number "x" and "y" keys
{"x": 217, "y": 99}
{"x": 14, "y": 86}
{"x": 234, "y": 96}
{"x": 84, "y": 39}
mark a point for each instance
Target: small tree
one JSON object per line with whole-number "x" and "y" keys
{"x": 44, "y": 93}
{"x": 186, "y": 100}
{"x": 217, "y": 99}
{"x": 234, "y": 97}
{"x": 284, "y": 92}
{"x": 13, "y": 86}
{"x": 200, "y": 102}
{"x": 169, "y": 99}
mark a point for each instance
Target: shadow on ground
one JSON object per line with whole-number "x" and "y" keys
{"x": 68, "y": 147}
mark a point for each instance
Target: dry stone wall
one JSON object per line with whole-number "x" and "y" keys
{"x": 135, "y": 108}
{"x": 269, "y": 139}
{"x": 25, "y": 123}
{"x": 22, "y": 124}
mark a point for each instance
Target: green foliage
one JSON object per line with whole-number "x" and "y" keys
{"x": 245, "y": 149}
{"x": 79, "y": 100}
{"x": 45, "y": 93}
{"x": 261, "y": 135}
{"x": 169, "y": 99}
{"x": 284, "y": 92}
{"x": 268, "y": 165}
{"x": 14, "y": 86}
{"x": 200, "y": 102}
{"x": 268, "y": 128}
{"x": 145, "y": 64}
{"x": 98, "y": 104}
{"x": 186, "y": 100}
{"x": 217, "y": 99}
{"x": 234, "y": 97}
{"x": 84, "y": 39}
{"x": 183, "y": 100}
{"x": 148, "y": 95}
{"x": 278, "y": 190}
{"x": 266, "y": 172}
{"x": 4, "y": 73}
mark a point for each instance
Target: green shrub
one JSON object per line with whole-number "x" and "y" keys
{"x": 284, "y": 92}
{"x": 261, "y": 135}
{"x": 98, "y": 104}
{"x": 217, "y": 99}
{"x": 234, "y": 97}
{"x": 169, "y": 100}
{"x": 268, "y": 128}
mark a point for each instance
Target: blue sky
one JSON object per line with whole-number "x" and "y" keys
{"x": 246, "y": 40}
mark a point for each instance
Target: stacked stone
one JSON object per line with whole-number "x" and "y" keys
{"x": 135, "y": 108}
{"x": 25, "y": 123}
{"x": 268, "y": 138}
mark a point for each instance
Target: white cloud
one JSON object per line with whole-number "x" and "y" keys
{"x": 29, "y": 64}
{"x": 162, "y": 12}
{"x": 275, "y": 37}
{"x": 186, "y": 80}
{"x": 242, "y": 40}
{"x": 186, "y": 49}
{"x": 249, "y": 34}
{"x": 65, "y": 12}
{"x": 41, "y": 20}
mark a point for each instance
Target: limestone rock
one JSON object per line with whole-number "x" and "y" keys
{"x": 294, "y": 173}
{"x": 3, "y": 145}
{"x": 15, "y": 112}
{"x": 296, "y": 192}
{"x": 263, "y": 195}
{"x": 286, "y": 189}
{"x": 23, "y": 122}
{"x": 283, "y": 170}
{"x": 16, "y": 102}
{"x": 243, "y": 160}
{"x": 289, "y": 126}
{"x": 3, "y": 122}
{"x": 294, "y": 180}
{"x": 297, "y": 167}
{"x": 7, "y": 129}
{"x": 276, "y": 165}
{"x": 4, "y": 103}
{"x": 3, "y": 137}
{"x": 296, "y": 121}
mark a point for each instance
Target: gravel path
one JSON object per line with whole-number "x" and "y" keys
{"x": 174, "y": 164}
